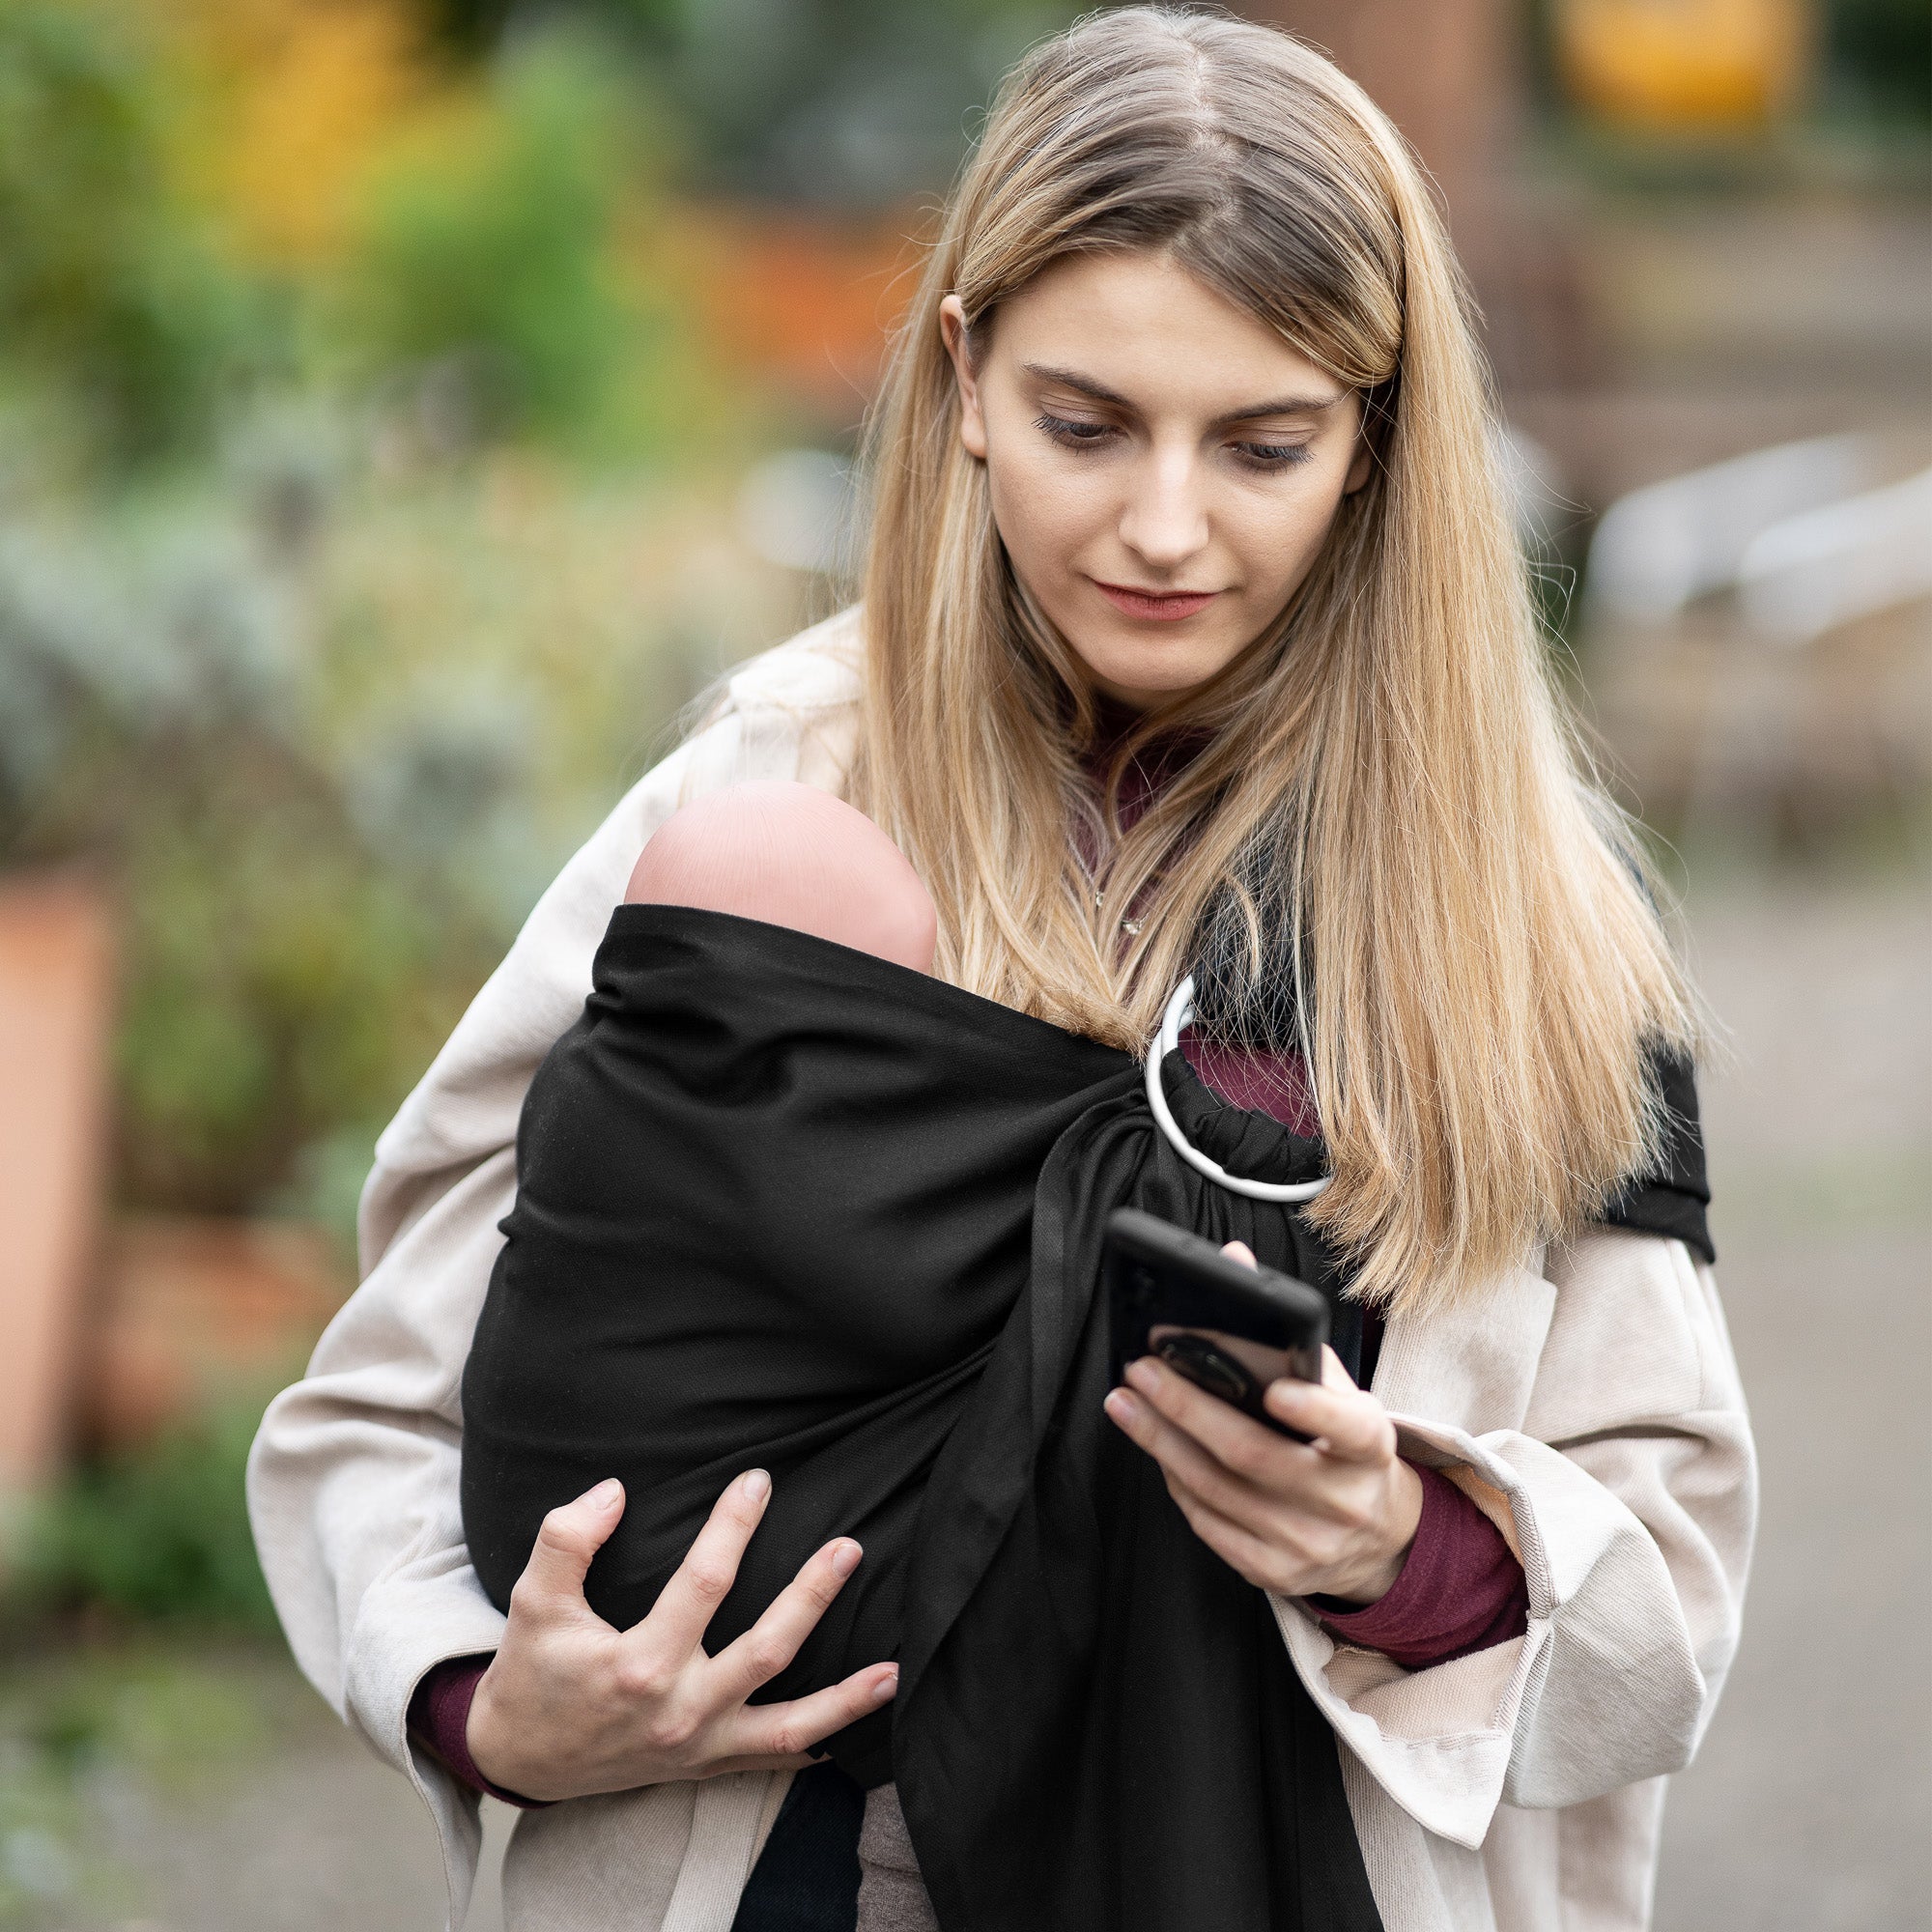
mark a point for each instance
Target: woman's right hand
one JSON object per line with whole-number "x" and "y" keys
{"x": 570, "y": 1706}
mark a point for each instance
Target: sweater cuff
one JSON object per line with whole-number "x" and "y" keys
{"x": 1460, "y": 1590}
{"x": 440, "y": 1722}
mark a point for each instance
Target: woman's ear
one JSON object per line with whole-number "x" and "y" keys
{"x": 971, "y": 419}
{"x": 1372, "y": 427}
{"x": 1361, "y": 464}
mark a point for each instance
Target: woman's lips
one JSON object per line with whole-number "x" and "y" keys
{"x": 1164, "y": 606}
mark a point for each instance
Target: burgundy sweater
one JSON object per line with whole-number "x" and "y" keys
{"x": 1460, "y": 1589}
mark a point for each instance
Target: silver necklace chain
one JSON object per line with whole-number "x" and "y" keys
{"x": 1130, "y": 926}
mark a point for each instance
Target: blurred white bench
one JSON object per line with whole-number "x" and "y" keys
{"x": 1708, "y": 591}
{"x": 1808, "y": 573}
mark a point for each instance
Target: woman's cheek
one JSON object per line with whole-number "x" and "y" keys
{"x": 1276, "y": 561}
{"x": 1044, "y": 519}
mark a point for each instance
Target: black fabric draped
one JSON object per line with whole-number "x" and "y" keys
{"x": 785, "y": 1204}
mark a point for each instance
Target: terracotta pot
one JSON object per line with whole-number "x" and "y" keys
{"x": 56, "y": 1006}
{"x": 189, "y": 1310}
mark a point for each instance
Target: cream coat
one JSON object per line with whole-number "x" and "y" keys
{"x": 1590, "y": 1406}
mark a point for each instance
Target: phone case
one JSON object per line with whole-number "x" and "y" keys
{"x": 1155, "y": 1274}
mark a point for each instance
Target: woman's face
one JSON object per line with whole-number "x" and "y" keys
{"x": 1163, "y": 466}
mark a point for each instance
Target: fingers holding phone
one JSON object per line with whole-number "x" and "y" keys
{"x": 1292, "y": 1478}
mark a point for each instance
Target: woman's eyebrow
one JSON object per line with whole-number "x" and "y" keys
{"x": 1280, "y": 406}
{"x": 1283, "y": 406}
{"x": 1072, "y": 379}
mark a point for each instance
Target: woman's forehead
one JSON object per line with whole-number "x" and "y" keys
{"x": 1138, "y": 330}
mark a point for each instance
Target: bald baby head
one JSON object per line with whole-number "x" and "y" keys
{"x": 788, "y": 854}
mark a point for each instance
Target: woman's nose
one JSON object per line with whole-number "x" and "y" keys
{"x": 1165, "y": 520}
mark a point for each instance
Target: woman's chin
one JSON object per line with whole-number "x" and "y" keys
{"x": 1147, "y": 679}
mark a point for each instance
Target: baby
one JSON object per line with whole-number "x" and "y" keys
{"x": 788, "y": 854}
{"x": 788, "y": 1200}
{"x": 784, "y": 856}
{"x": 704, "y": 1038}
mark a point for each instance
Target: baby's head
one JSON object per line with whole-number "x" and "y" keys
{"x": 790, "y": 856}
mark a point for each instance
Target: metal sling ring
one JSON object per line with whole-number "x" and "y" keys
{"x": 1180, "y": 1010}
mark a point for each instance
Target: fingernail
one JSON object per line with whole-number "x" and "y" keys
{"x": 604, "y": 1494}
{"x": 846, "y": 1557}
{"x": 1145, "y": 1373}
{"x": 887, "y": 1687}
{"x": 757, "y": 1485}
{"x": 1122, "y": 1406}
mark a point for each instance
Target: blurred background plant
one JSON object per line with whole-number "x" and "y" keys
{"x": 151, "y": 1535}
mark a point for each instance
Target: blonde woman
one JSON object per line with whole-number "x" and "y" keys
{"x": 1193, "y": 641}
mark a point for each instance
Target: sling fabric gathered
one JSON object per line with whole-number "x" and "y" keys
{"x": 785, "y": 1204}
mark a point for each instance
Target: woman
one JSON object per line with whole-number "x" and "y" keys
{"x": 1193, "y": 638}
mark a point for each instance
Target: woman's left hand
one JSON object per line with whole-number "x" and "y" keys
{"x": 1330, "y": 1518}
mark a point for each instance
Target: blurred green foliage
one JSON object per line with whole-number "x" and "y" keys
{"x": 326, "y": 776}
{"x": 161, "y": 1534}
{"x": 488, "y": 244}
{"x": 286, "y": 976}
{"x": 497, "y": 252}
{"x": 111, "y": 291}
{"x": 282, "y": 972}
{"x": 509, "y": 256}
{"x": 836, "y": 103}
{"x": 1878, "y": 58}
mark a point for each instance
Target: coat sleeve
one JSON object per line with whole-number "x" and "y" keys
{"x": 1595, "y": 1414}
{"x": 352, "y": 1483}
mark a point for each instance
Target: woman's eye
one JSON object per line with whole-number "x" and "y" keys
{"x": 1074, "y": 434}
{"x": 1272, "y": 455}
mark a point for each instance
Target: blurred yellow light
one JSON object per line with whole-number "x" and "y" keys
{"x": 1682, "y": 63}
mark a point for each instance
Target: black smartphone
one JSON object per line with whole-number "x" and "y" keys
{"x": 1229, "y": 1328}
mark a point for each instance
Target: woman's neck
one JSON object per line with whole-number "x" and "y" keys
{"x": 1153, "y": 765}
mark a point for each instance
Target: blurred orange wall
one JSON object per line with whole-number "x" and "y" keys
{"x": 806, "y": 300}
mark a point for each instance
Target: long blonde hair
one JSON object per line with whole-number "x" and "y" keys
{"x": 1389, "y": 819}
